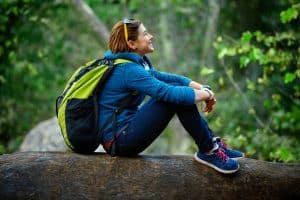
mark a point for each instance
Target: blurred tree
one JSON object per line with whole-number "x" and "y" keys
{"x": 271, "y": 64}
{"x": 96, "y": 25}
{"x": 36, "y": 46}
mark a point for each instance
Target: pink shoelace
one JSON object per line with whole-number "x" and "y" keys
{"x": 221, "y": 154}
{"x": 224, "y": 145}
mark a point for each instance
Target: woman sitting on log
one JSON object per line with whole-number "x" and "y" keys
{"x": 142, "y": 122}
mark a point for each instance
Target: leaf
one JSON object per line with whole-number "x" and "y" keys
{"x": 206, "y": 71}
{"x": 259, "y": 36}
{"x": 221, "y": 81}
{"x": 222, "y": 53}
{"x": 269, "y": 41}
{"x": 12, "y": 56}
{"x": 288, "y": 15}
{"x": 276, "y": 98}
{"x": 289, "y": 77}
{"x": 251, "y": 111}
{"x": 244, "y": 61}
{"x": 271, "y": 52}
{"x": 2, "y": 79}
{"x": 256, "y": 54}
{"x": 250, "y": 85}
{"x": 246, "y": 37}
{"x": 231, "y": 52}
{"x": 32, "y": 70}
{"x": 284, "y": 154}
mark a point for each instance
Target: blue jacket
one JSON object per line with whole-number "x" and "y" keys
{"x": 138, "y": 75}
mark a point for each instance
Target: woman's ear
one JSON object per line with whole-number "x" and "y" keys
{"x": 131, "y": 44}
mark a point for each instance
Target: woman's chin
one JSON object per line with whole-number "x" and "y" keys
{"x": 151, "y": 49}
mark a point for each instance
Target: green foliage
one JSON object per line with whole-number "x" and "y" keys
{"x": 37, "y": 51}
{"x": 290, "y": 14}
{"x": 276, "y": 61}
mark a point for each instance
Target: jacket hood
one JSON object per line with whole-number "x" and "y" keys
{"x": 129, "y": 56}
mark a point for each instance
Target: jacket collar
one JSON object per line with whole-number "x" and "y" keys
{"x": 129, "y": 56}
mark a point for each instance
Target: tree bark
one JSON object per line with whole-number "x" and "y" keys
{"x": 167, "y": 48}
{"x": 92, "y": 20}
{"x": 206, "y": 58}
{"x": 49, "y": 175}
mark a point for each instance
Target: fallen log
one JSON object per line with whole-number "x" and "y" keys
{"x": 65, "y": 175}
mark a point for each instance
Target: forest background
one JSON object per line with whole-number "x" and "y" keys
{"x": 248, "y": 51}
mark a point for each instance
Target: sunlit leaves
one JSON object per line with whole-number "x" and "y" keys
{"x": 265, "y": 50}
{"x": 206, "y": 71}
{"x": 246, "y": 37}
{"x": 271, "y": 65}
{"x": 289, "y": 77}
{"x": 290, "y": 13}
{"x": 282, "y": 154}
{"x": 256, "y": 55}
{"x": 250, "y": 84}
{"x": 227, "y": 52}
{"x": 244, "y": 61}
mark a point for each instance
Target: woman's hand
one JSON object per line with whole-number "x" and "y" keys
{"x": 195, "y": 85}
{"x": 204, "y": 93}
{"x": 207, "y": 96}
{"x": 209, "y": 105}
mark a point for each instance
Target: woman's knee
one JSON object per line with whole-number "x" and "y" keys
{"x": 128, "y": 151}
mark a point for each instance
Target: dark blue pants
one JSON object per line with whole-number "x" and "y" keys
{"x": 152, "y": 119}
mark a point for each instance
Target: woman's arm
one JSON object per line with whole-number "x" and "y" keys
{"x": 137, "y": 78}
{"x": 195, "y": 85}
{"x": 198, "y": 86}
{"x": 204, "y": 93}
{"x": 170, "y": 78}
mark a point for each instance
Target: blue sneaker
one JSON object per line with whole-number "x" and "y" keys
{"x": 233, "y": 154}
{"x": 218, "y": 160}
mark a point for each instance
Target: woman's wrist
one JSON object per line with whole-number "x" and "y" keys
{"x": 195, "y": 85}
{"x": 206, "y": 86}
{"x": 210, "y": 93}
{"x": 203, "y": 95}
{"x": 198, "y": 86}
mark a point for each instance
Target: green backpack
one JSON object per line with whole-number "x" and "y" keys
{"x": 77, "y": 106}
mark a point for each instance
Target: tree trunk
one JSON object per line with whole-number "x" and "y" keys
{"x": 49, "y": 175}
{"x": 92, "y": 20}
{"x": 167, "y": 48}
{"x": 206, "y": 58}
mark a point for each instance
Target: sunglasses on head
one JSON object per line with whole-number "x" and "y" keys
{"x": 125, "y": 22}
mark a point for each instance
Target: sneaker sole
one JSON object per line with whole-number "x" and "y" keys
{"x": 215, "y": 167}
{"x": 238, "y": 158}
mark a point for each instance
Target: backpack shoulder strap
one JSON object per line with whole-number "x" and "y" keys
{"x": 121, "y": 60}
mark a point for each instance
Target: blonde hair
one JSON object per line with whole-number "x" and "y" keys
{"x": 117, "y": 42}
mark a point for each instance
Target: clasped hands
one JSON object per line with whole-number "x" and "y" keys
{"x": 210, "y": 101}
{"x": 204, "y": 93}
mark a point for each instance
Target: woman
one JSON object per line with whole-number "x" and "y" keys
{"x": 140, "y": 123}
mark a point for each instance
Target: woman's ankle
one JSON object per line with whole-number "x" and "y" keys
{"x": 213, "y": 149}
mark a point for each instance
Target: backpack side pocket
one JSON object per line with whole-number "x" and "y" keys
{"x": 80, "y": 124}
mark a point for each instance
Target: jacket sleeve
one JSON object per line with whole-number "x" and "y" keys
{"x": 169, "y": 78}
{"x": 137, "y": 78}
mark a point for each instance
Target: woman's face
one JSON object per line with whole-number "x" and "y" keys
{"x": 143, "y": 44}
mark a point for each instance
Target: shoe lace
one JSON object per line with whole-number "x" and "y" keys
{"x": 221, "y": 154}
{"x": 223, "y": 144}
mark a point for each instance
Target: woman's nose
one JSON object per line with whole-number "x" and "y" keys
{"x": 151, "y": 37}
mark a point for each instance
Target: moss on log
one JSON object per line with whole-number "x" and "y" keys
{"x": 49, "y": 175}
